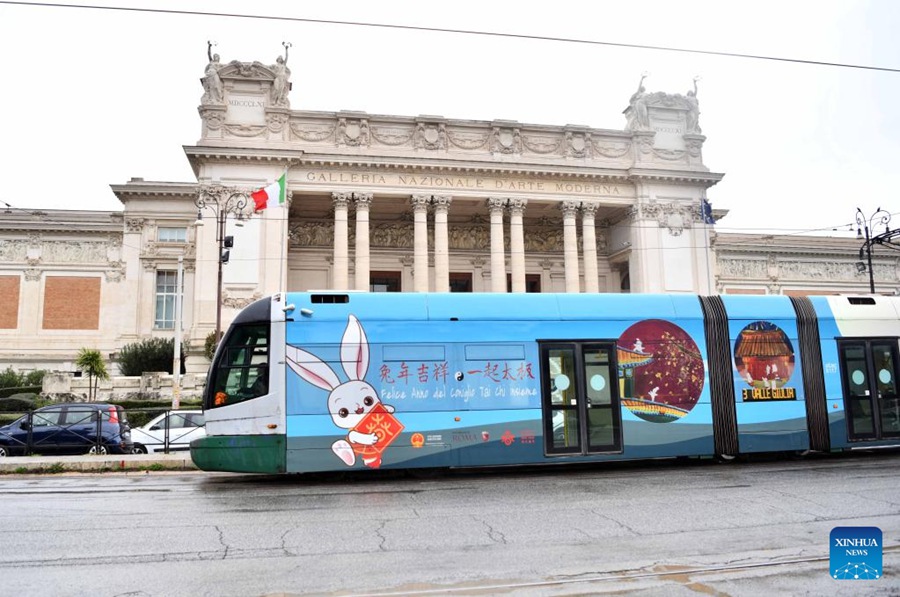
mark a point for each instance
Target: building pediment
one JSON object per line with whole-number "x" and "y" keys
{"x": 251, "y": 71}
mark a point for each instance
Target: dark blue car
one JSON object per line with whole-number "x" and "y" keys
{"x": 72, "y": 428}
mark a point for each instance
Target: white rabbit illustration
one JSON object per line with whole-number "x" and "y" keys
{"x": 348, "y": 402}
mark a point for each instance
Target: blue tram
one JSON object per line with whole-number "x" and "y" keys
{"x": 321, "y": 381}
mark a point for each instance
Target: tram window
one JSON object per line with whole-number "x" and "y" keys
{"x": 601, "y": 426}
{"x": 242, "y": 370}
{"x": 596, "y": 369}
{"x": 562, "y": 376}
{"x": 566, "y": 432}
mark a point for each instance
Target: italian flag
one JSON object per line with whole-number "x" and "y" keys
{"x": 273, "y": 192}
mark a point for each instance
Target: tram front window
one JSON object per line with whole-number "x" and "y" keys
{"x": 241, "y": 370}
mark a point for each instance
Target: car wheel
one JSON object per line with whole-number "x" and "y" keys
{"x": 4, "y": 451}
{"x": 98, "y": 450}
{"x": 138, "y": 449}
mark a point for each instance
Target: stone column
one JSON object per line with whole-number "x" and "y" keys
{"x": 420, "y": 242}
{"x": 498, "y": 261}
{"x": 517, "y": 243}
{"x": 363, "y": 203}
{"x": 441, "y": 243}
{"x": 341, "y": 241}
{"x": 589, "y": 248}
{"x": 570, "y": 244}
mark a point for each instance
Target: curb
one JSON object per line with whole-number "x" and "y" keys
{"x": 89, "y": 463}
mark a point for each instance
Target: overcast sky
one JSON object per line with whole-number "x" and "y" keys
{"x": 94, "y": 97}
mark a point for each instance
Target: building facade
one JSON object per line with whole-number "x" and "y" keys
{"x": 389, "y": 203}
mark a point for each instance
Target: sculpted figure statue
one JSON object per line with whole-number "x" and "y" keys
{"x": 212, "y": 83}
{"x": 693, "y": 115}
{"x": 281, "y": 85}
{"x": 639, "y": 115}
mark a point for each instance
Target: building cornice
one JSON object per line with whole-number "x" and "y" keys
{"x": 448, "y": 164}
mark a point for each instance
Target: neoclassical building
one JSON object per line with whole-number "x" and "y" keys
{"x": 389, "y": 203}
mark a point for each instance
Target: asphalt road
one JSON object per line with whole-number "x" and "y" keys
{"x": 649, "y": 529}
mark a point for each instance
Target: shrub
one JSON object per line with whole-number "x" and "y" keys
{"x": 34, "y": 378}
{"x": 12, "y": 391}
{"x": 209, "y": 347}
{"x": 16, "y": 404}
{"x": 152, "y": 354}
{"x": 13, "y": 379}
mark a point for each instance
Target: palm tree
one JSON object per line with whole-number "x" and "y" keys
{"x": 91, "y": 362}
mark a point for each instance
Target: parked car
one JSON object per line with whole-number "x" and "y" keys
{"x": 181, "y": 427}
{"x": 70, "y": 428}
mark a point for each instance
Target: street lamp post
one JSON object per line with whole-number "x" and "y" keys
{"x": 221, "y": 201}
{"x": 864, "y": 228}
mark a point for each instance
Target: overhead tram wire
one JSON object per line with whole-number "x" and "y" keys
{"x": 419, "y": 28}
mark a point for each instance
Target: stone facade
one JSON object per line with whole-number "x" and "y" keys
{"x": 415, "y": 203}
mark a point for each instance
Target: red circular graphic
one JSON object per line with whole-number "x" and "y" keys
{"x": 660, "y": 371}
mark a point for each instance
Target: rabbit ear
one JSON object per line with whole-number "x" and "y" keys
{"x": 311, "y": 368}
{"x": 355, "y": 350}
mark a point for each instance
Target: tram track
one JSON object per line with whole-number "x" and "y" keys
{"x": 610, "y": 582}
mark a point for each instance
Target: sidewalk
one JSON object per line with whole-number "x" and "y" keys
{"x": 90, "y": 463}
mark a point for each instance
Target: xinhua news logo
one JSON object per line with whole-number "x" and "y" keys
{"x": 856, "y": 553}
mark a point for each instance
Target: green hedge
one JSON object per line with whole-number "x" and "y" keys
{"x": 16, "y": 404}
{"x": 7, "y": 392}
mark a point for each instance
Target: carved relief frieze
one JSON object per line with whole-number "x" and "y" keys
{"x": 542, "y": 144}
{"x": 612, "y": 149}
{"x": 694, "y": 146}
{"x": 312, "y": 234}
{"x": 116, "y": 273}
{"x": 13, "y": 250}
{"x": 544, "y": 240}
{"x": 149, "y": 265}
{"x": 468, "y": 140}
{"x": 507, "y": 140}
{"x": 671, "y": 155}
{"x": 235, "y": 302}
{"x": 314, "y": 133}
{"x": 73, "y": 252}
{"x": 353, "y": 132}
{"x": 578, "y": 145}
{"x": 134, "y": 224}
{"x": 247, "y": 70}
{"x": 430, "y": 136}
{"x": 469, "y": 237}
{"x": 393, "y": 235}
{"x": 213, "y": 116}
{"x": 817, "y": 270}
{"x": 674, "y": 216}
{"x": 743, "y": 268}
{"x": 245, "y": 130}
{"x": 276, "y": 121}
{"x": 32, "y": 275}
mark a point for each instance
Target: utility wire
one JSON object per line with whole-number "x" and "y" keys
{"x": 424, "y": 29}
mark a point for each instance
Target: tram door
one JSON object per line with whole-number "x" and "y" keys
{"x": 869, "y": 373}
{"x": 580, "y": 398}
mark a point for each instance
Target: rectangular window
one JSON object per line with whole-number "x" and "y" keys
{"x": 167, "y": 234}
{"x": 532, "y": 282}
{"x": 384, "y": 281}
{"x": 460, "y": 282}
{"x": 166, "y": 293}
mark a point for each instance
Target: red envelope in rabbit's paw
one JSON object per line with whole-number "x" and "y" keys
{"x": 383, "y": 424}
